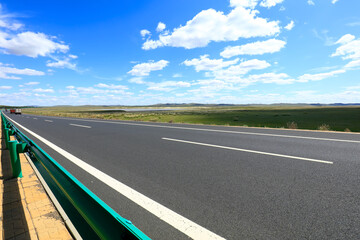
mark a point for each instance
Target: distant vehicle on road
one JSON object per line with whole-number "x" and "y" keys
{"x": 15, "y": 111}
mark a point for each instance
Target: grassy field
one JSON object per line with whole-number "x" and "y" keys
{"x": 294, "y": 117}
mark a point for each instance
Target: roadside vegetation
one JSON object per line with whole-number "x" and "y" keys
{"x": 290, "y": 117}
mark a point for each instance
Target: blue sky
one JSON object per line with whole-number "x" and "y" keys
{"x": 136, "y": 52}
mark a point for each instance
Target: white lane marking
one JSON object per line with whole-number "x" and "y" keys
{"x": 174, "y": 219}
{"x": 251, "y": 151}
{"x": 48, "y": 120}
{"x": 77, "y": 125}
{"x": 35, "y": 118}
{"x": 213, "y": 130}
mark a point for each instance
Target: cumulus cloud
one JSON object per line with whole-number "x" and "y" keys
{"x": 227, "y": 72}
{"x": 255, "y": 48}
{"x": 270, "y": 3}
{"x": 206, "y": 64}
{"x": 253, "y": 3}
{"x": 349, "y": 49}
{"x": 9, "y": 72}
{"x": 215, "y": 26}
{"x": 345, "y": 39}
{"x": 160, "y": 27}
{"x": 30, "y": 44}
{"x": 144, "y": 69}
{"x": 235, "y": 73}
{"x": 290, "y": 26}
{"x": 244, "y": 3}
{"x": 334, "y": 1}
{"x": 63, "y": 62}
{"x": 145, "y": 33}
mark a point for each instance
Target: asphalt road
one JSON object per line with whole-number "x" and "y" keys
{"x": 238, "y": 183}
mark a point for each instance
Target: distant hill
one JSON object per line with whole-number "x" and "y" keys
{"x": 198, "y": 105}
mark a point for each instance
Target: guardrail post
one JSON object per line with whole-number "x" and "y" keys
{"x": 15, "y": 148}
{"x": 7, "y": 137}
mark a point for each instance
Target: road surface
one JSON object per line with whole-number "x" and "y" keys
{"x": 198, "y": 181}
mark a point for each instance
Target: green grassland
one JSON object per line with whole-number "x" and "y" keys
{"x": 292, "y": 116}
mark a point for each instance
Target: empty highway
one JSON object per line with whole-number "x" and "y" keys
{"x": 210, "y": 182}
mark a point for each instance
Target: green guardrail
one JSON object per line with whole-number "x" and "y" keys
{"x": 92, "y": 218}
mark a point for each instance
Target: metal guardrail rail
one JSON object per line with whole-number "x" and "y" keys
{"x": 92, "y": 218}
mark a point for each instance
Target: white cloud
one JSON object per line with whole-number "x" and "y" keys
{"x": 226, "y": 73}
{"x": 353, "y": 24}
{"x": 334, "y": 1}
{"x": 160, "y": 27}
{"x": 278, "y": 78}
{"x": 145, "y": 33}
{"x": 177, "y": 75}
{"x": 9, "y": 25}
{"x": 353, "y": 64}
{"x": 30, "y": 44}
{"x": 235, "y": 73}
{"x": 63, "y": 62}
{"x": 244, "y": 3}
{"x": 310, "y": 2}
{"x": 270, "y": 3}
{"x": 345, "y": 39}
{"x": 255, "y": 48}
{"x": 214, "y": 26}
{"x": 7, "y": 22}
{"x": 41, "y": 90}
{"x": 137, "y": 80}
{"x": 31, "y": 83}
{"x": 111, "y": 86}
{"x": 349, "y": 49}
{"x": 101, "y": 89}
{"x": 290, "y": 26}
{"x": 144, "y": 69}
{"x": 319, "y": 76}
{"x": 5, "y": 71}
{"x": 5, "y": 87}
{"x": 168, "y": 85}
{"x": 205, "y": 64}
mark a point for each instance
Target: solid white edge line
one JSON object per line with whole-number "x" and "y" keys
{"x": 209, "y": 130}
{"x": 184, "y": 225}
{"x": 250, "y": 151}
{"x": 77, "y": 125}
